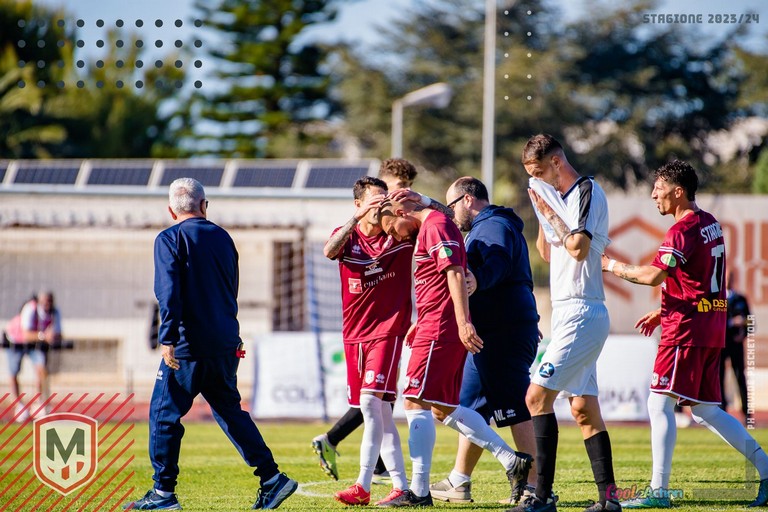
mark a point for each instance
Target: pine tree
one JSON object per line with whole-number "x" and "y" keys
{"x": 272, "y": 88}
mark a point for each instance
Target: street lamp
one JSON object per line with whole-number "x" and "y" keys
{"x": 436, "y": 95}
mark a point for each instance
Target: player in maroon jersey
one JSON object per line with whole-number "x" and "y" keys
{"x": 439, "y": 342}
{"x": 690, "y": 266}
{"x": 376, "y": 302}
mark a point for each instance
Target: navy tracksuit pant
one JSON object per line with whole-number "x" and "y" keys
{"x": 216, "y": 379}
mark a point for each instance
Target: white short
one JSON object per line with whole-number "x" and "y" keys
{"x": 569, "y": 364}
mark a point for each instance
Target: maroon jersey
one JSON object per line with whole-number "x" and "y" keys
{"x": 375, "y": 286}
{"x": 693, "y": 303}
{"x": 439, "y": 245}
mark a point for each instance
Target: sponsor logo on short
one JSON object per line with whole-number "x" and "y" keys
{"x": 369, "y": 376}
{"x": 664, "y": 380}
{"x": 380, "y": 378}
{"x": 355, "y": 285}
{"x": 65, "y": 450}
{"x": 159, "y": 375}
{"x": 349, "y": 392}
{"x": 414, "y": 382}
{"x": 373, "y": 268}
{"x": 717, "y": 305}
{"x": 501, "y": 415}
{"x": 444, "y": 252}
{"x": 546, "y": 370}
{"x": 669, "y": 260}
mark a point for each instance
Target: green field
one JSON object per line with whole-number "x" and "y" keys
{"x": 213, "y": 477}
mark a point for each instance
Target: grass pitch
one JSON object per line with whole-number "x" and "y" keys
{"x": 214, "y": 477}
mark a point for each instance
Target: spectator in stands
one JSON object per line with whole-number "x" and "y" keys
{"x": 196, "y": 284}
{"x": 31, "y": 333}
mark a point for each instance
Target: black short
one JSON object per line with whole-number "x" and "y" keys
{"x": 496, "y": 379}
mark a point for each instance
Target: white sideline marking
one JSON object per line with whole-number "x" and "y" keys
{"x": 304, "y": 492}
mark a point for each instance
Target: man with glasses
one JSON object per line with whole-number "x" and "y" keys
{"x": 504, "y": 313}
{"x": 196, "y": 284}
{"x": 439, "y": 341}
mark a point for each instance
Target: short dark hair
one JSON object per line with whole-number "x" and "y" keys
{"x": 400, "y": 168}
{"x": 364, "y": 183}
{"x": 472, "y": 186}
{"x": 679, "y": 173}
{"x": 538, "y": 147}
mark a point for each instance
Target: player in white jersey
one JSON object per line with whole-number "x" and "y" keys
{"x": 573, "y": 233}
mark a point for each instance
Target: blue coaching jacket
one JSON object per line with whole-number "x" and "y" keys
{"x": 196, "y": 284}
{"x": 497, "y": 255}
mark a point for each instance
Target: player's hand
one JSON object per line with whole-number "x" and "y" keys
{"x": 469, "y": 338}
{"x": 410, "y": 335}
{"x": 541, "y": 205}
{"x": 369, "y": 204}
{"x": 404, "y": 194}
{"x": 169, "y": 357}
{"x": 541, "y": 334}
{"x": 649, "y": 322}
{"x": 469, "y": 277}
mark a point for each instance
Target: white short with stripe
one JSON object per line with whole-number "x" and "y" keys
{"x": 569, "y": 364}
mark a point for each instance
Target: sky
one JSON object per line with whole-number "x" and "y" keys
{"x": 357, "y": 21}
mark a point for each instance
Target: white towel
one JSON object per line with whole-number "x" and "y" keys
{"x": 548, "y": 193}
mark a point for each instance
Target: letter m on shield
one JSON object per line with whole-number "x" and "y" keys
{"x": 65, "y": 450}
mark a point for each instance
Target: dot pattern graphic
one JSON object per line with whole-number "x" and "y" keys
{"x": 170, "y": 26}
{"x": 529, "y": 55}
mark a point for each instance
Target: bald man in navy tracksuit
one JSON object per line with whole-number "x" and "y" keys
{"x": 196, "y": 284}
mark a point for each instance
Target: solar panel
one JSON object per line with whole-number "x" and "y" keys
{"x": 335, "y": 177}
{"x": 43, "y": 173}
{"x": 105, "y": 175}
{"x": 207, "y": 175}
{"x": 262, "y": 176}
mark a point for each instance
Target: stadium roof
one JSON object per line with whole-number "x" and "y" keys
{"x": 316, "y": 178}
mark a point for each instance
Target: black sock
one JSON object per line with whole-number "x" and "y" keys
{"x": 345, "y": 426}
{"x": 599, "y": 452}
{"x": 545, "y": 430}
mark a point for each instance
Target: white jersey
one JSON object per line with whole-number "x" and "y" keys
{"x": 587, "y": 209}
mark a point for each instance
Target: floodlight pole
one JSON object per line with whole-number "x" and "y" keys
{"x": 436, "y": 95}
{"x": 489, "y": 93}
{"x": 397, "y": 128}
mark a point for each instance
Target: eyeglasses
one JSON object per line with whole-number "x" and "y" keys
{"x": 452, "y": 204}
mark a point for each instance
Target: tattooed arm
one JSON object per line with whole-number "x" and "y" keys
{"x": 338, "y": 239}
{"x": 638, "y": 274}
{"x": 406, "y": 194}
{"x": 577, "y": 244}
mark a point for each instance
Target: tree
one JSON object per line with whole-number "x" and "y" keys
{"x": 274, "y": 85}
{"x": 622, "y": 95}
{"x": 31, "y": 61}
{"x": 760, "y": 184}
{"x": 44, "y": 114}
